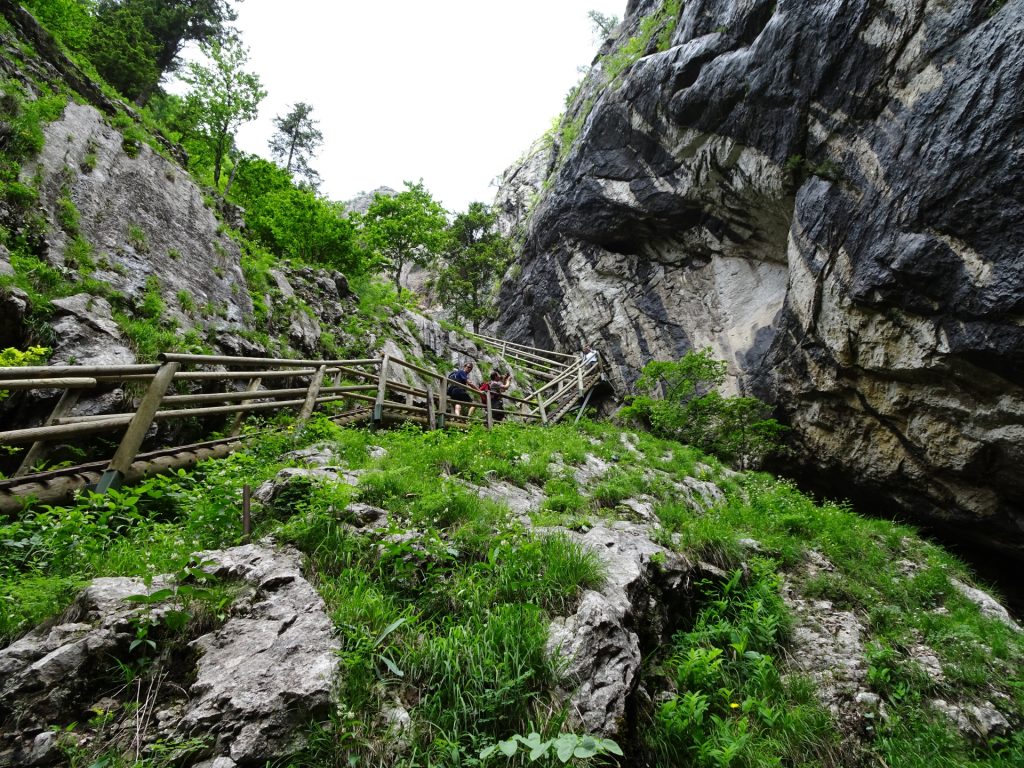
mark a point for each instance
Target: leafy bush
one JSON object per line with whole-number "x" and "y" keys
{"x": 11, "y": 357}
{"x": 736, "y": 429}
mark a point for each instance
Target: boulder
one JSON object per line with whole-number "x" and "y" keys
{"x": 87, "y": 334}
{"x": 600, "y": 644}
{"x": 244, "y": 690}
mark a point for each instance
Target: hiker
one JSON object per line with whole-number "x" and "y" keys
{"x": 496, "y": 385}
{"x": 588, "y": 357}
{"x": 459, "y": 379}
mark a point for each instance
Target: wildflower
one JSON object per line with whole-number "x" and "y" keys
{"x": 734, "y": 705}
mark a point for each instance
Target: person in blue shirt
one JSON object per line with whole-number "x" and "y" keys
{"x": 460, "y": 376}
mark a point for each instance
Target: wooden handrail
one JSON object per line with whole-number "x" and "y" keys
{"x": 174, "y": 357}
{"x": 321, "y": 384}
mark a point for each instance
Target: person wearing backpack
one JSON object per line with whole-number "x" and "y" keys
{"x": 458, "y": 380}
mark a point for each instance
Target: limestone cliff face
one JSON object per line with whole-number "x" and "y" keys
{"x": 828, "y": 195}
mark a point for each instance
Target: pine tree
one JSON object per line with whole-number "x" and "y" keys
{"x": 296, "y": 141}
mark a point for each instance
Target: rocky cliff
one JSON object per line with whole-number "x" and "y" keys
{"x": 827, "y": 195}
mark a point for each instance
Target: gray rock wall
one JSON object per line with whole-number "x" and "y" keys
{"x": 828, "y": 196}
{"x": 143, "y": 217}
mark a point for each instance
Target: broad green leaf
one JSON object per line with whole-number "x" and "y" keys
{"x": 564, "y": 745}
{"x": 610, "y": 745}
{"x": 392, "y": 666}
{"x": 508, "y": 748}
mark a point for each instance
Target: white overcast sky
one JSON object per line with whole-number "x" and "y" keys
{"x": 450, "y": 91}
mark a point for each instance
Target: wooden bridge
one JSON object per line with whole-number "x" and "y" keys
{"x": 376, "y": 390}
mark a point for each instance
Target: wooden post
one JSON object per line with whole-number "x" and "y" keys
{"x": 246, "y": 513}
{"x": 382, "y": 385}
{"x": 442, "y": 404}
{"x": 583, "y": 407}
{"x": 136, "y": 433}
{"x": 579, "y": 380}
{"x": 431, "y": 413}
{"x": 540, "y": 407}
{"x": 490, "y": 412}
{"x": 63, "y": 408}
{"x": 311, "y": 395}
{"x": 236, "y": 425}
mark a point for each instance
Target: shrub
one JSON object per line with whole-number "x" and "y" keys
{"x": 737, "y": 429}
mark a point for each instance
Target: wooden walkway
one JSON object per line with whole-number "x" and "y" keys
{"x": 378, "y": 390}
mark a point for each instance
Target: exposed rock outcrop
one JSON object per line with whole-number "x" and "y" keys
{"x": 146, "y": 221}
{"x": 240, "y": 693}
{"x": 825, "y": 195}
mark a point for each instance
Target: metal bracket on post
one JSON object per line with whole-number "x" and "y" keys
{"x": 115, "y": 472}
{"x": 382, "y": 385}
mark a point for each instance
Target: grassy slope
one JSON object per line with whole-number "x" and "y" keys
{"x": 449, "y": 618}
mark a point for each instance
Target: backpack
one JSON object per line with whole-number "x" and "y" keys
{"x": 453, "y": 383}
{"x": 483, "y": 391}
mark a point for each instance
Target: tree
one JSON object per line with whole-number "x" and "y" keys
{"x": 405, "y": 228}
{"x": 296, "y": 141}
{"x": 223, "y": 95}
{"x": 152, "y": 33}
{"x": 295, "y": 222}
{"x": 255, "y": 179}
{"x": 690, "y": 410}
{"x": 603, "y": 24}
{"x": 123, "y": 50}
{"x": 476, "y": 255}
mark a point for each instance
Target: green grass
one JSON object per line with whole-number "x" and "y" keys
{"x": 446, "y": 609}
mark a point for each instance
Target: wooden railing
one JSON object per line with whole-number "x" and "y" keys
{"x": 388, "y": 387}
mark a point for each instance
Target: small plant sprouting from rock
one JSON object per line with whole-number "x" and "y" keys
{"x": 801, "y": 169}
{"x": 137, "y": 239}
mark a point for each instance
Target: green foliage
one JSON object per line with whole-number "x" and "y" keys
{"x": 736, "y": 429}
{"x": 11, "y": 357}
{"x": 67, "y": 20}
{"x": 476, "y": 256}
{"x": 296, "y": 140}
{"x": 25, "y": 118}
{"x": 296, "y": 223}
{"x": 801, "y": 169}
{"x": 409, "y": 227}
{"x": 122, "y": 49}
{"x": 732, "y": 706}
{"x": 603, "y": 24}
{"x": 566, "y": 747}
{"x": 484, "y": 674}
{"x": 446, "y": 607}
{"x": 67, "y": 214}
{"x": 223, "y": 96}
{"x": 134, "y": 43}
{"x": 655, "y": 33}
